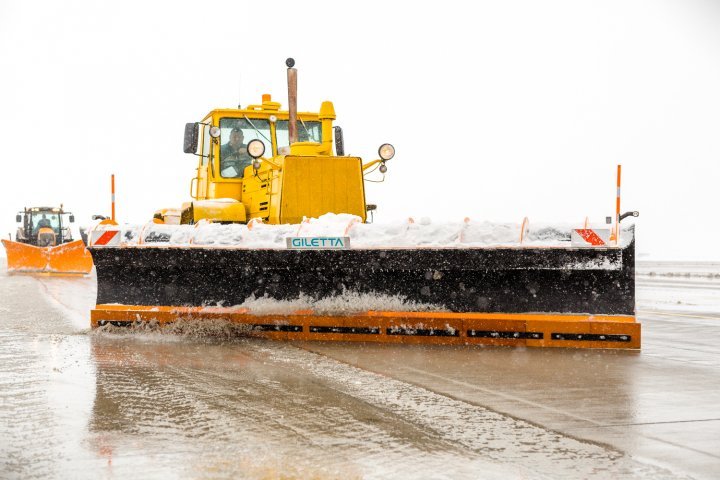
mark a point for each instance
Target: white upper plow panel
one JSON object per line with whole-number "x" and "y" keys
{"x": 411, "y": 233}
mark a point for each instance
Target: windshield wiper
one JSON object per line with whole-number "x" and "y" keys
{"x": 305, "y": 127}
{"x": 255, "y": 128}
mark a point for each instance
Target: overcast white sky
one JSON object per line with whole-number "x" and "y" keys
{"x": 535, "y": 103}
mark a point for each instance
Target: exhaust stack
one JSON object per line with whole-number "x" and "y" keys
{"x": 292, "y": 100}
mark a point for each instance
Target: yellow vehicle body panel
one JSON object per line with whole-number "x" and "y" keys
{"x": 229, "y": 188}
{"x": 314, "y": 186}
{"x": 219, "y": 211}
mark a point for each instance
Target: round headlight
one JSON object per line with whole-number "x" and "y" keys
{"x": 214, "y": 132}
{"x": 386, "y": 151}
{"x": 256, "y": 148}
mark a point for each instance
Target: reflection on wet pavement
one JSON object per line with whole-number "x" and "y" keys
{"x": 245, "y": 401}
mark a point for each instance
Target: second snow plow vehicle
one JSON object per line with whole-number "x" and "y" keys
{"x": 465, "y": 293}
{"x": 44, "y": 245}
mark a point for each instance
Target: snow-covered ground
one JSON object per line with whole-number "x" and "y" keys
{"x": 678, "y": 269}
{"x": 674, "y": 286}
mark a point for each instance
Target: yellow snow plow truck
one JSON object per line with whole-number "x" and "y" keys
{"x": 266, "y": 178}
{"x": 44, "y": 244}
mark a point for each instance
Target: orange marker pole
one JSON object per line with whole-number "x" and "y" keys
{"x": 112, "y": 198}
{"x": 617, "y": 209}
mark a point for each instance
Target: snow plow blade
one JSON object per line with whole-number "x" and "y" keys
{"x": 501, "y": 329}
{"x": 518, "y": 296}
{"x": 70, "y": 258}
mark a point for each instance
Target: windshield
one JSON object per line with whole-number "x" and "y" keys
{"x": 39, "y": 220}
{"x": 235, "y": 134}
{"x": 307, "y": 132}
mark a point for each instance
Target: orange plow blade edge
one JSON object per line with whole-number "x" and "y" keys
{"x": 450, "y": 328}
{"x": 66, "y": 259}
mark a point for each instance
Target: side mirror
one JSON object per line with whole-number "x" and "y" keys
{"x": 99, "y": 217}
{"x": 72, "y": 218}
{"x": 191, "y": 137}
{"x": 339, "y": 142}
{"x": 18, "y": 218}
{"x": 629, "y": 214}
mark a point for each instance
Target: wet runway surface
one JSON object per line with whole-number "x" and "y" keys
{"x": 76, "y": 404}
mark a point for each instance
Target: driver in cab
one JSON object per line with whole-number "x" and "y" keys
{"x": 43, "y": 223}
{"x": 233, "y": 155}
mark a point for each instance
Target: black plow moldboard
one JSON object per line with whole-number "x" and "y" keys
{"x": 509, "y": 280}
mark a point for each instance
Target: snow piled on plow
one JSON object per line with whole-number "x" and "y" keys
{"x": 407, "y": 234}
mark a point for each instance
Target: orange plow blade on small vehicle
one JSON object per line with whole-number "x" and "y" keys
{"x": 70, "y": 258}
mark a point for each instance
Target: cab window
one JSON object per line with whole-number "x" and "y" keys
{"x": 235, "y": 134}
{"x": 307, "y": 132}
{"x": 47, "y": 220}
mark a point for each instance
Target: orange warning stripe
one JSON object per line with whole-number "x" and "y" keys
{"x": 508, "y": 329}
{"x": 590, "y": 236}
{"x": 106, "y": 237}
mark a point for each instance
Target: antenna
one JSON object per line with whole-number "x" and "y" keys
{"x": 239, "y": 90}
